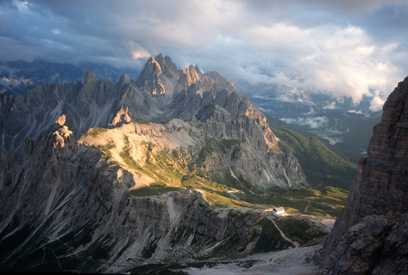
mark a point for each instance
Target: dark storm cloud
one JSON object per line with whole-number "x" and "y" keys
{"x": 346, "y": 47}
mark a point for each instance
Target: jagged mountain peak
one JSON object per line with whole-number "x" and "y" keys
{"x": 98, "y": 103}
{"x": 89, "y": 77}
{"x": 125, "y": 78}
{"x": 169, "y": 69}
{"x": 79, "y": 156}
{"x": 189, "y": 76}
{"x": 160, "y": 76}
{"x": 102, "y": 104}
{"x": 159, "y": 65}
{"x": 152, "y": 67}
{"x": 198, "y": 69}
{"x": 153, "y": 97}
{"x": 149, "y": 79}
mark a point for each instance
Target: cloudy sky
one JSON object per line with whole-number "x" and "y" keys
{"x": 351, "y": 48}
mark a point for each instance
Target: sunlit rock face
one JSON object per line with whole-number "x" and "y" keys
{"x": 370, "y": 236}
{"x": 72, "y": 154}
{"x": 59, "y": 195}
{"x": 160, "y": 94}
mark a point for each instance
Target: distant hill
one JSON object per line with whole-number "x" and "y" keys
{"x": 322, "y": 166}
{"x": 16, "y": 77}
{"x": 343, "y": 125}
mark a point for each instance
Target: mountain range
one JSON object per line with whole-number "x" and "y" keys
{"x": 160, "y": 94}
{"x": 343, "y": 125}
{"x": 100, "y": 176}
{"x": 178, "y": 167}
{"x": 16, "y": 77}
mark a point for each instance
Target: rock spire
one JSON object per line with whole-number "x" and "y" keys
{"x": 370, "y": 235}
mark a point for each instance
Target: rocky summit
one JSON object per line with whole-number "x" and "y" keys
{"x": 370, "y": 236}
{"x": 161, "y": 93}
{"x": 102, "y": 177}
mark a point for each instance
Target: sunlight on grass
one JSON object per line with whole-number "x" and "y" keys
{"x": 221, "y": 201}
{"x": 153, "y": 190}
{"x": 94, "y": 132}
{"x": 177, "y": 169}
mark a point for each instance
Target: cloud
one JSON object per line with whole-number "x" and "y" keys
{"x": 377, "y": 102}
{"x": 332, "y": 140}
{"x": 56, "y": 31}
{"x": 140, "y": 54}
{"x": 20, "y": 5}
{"x": 312, "y": 122}
{"x": 330, "y": 106}
{"x": 346, "y": 48}
{"x": 341, "y": 61}
{"x": 355, "y": 112}
{"x": 344, "y": 7}
{"x": 137, "y": 51}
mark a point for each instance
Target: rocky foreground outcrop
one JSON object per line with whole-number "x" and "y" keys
{"x": 104, "y": 177}
{"x": 64, "y": 209}
{"x": 371, "y": 234}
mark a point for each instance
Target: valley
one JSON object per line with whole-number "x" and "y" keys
{"x": 343, "y": 125}
{"x": 159, "y": 166}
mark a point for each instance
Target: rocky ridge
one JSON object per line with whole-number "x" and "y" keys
{"x": 63, "y": 209}
{"x": 370, "y": 236}
{"x": 161, "y": 93}
{"x": 77, "y": 159}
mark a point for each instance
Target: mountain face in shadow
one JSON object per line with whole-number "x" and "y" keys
{"x": 104, "y": 177}
{"x": 370, "y": 236}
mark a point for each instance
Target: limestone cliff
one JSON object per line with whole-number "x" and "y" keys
{"x": 160, "y": 94}
{"x": 103, "y": 177}
{"x": 64, "y": 207}
{"x": 370, "y": 236}
{"x": 149, "y": 79}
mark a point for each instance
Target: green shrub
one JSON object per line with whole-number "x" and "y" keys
{"x": 94, "y": 132}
